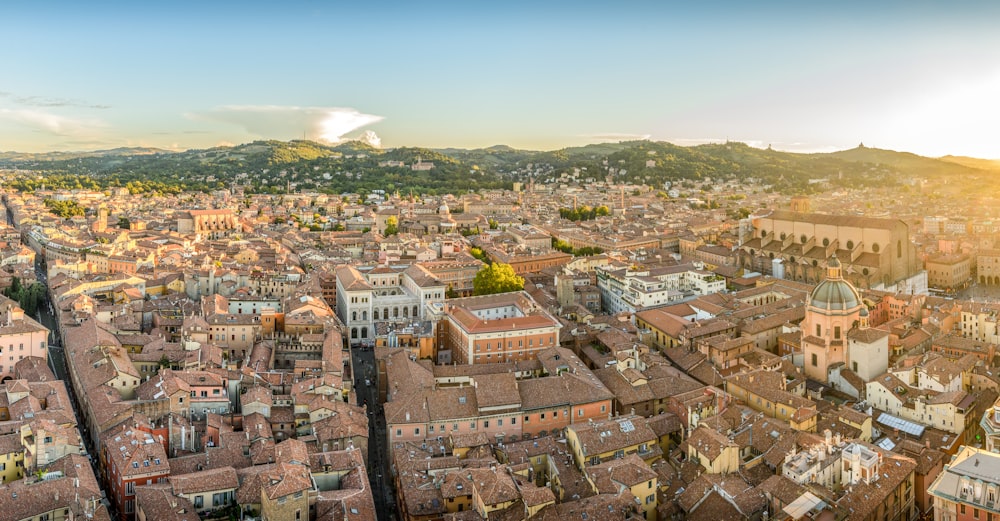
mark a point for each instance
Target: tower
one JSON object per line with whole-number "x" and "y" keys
{"x": 101, "y": 224}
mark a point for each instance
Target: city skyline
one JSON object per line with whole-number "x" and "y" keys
{"x": 918, "y": 77}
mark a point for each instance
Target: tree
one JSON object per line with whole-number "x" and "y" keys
{"x": 391, "y": 225}
{"x": 124, "y": 222}
{"x": 496, "y": 278}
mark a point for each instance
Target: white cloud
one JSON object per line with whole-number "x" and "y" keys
{"x": 291, "y": 122}
{"x": 52, "y": 123}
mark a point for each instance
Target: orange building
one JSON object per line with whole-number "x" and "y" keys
{"x": 506, "y": 327}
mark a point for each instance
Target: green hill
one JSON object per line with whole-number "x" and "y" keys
{"x": 270, "y": 166}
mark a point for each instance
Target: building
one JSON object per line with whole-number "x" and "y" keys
{"x": 835, "y": 330}
{"x": 948, "y": 271}
{"x": 20, "y": 337}
{"x": 369, "y": 297}
{"x": 877, "y": 253}
{"x": 497, "y": 328}
{"x": 967, "y": 489}
{"x": 990, "y": 423}
{"x": 631, "y": 290}
{"x": 988, "y": 267}
{"x": 213, "y": 224}
{"x": 596, "y": 442}
{"x": 130, "y": 458}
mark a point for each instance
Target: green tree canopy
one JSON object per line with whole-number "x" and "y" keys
{"x": 391, "y": 226}
{"x": 496, "y": 278}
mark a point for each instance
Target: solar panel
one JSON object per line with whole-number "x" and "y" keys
{"x": 886, "y": 444}
{"x": 627, "y": 426}
{"x": 913, "y": 429}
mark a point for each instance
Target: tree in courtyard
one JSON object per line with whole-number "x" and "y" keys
{"x": 496, "y": 278}
{"x": 391, "y": 226}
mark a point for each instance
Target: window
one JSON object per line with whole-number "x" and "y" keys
{"x": 836, "y": 332}
{"x": 129, "y": 488}
{"x": 298, "y": 512}
{"x": 199, "y": 501}
{"x": 399, "y": 433}
{"x": 819, "y": 331}
{"x": 486, "y": 424}
{"x": 298, "y": 495}
{"x": 416, "y": 431}
{"x": 814, "y": 360}
{"x": 129, "y": 506}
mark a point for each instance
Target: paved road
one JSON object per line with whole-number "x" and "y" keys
{"x": 378, "y": 461}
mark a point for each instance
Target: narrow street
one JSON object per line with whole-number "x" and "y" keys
{"x": 363, "y": 361}
{"x": 57, "y": 360}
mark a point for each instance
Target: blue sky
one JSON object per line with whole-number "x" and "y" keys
{"x": 802, "y": 76}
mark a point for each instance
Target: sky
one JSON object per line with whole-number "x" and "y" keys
{"x": 914, "y": 76}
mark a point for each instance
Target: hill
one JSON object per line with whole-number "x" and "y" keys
{"x": 972, "y": 162}
{"x": 272, "y": 166}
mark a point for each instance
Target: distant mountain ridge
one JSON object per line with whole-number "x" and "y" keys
{"x": 357, "y": 165}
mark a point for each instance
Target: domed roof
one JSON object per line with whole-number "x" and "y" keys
{"x": 835, "y": 293}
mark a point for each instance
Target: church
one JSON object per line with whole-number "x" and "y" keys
{"x": 835, "y": 333}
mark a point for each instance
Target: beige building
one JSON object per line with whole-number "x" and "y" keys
{"x": 877, "y": 253}
{"x": 948, "y": 271}
{"x": 988, "y": 267}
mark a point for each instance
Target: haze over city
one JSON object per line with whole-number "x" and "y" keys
{"x": 911, "y": 76}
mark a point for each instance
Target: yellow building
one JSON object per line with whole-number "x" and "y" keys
{"x": 594, "y": 443}
{"x": 629, "y": 473}
{"x": 765, "y": 391}
{"x": 716, "y": 453}
{"x": 11, "y": 458}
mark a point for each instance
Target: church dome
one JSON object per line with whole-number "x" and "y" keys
{"x": 835, "y": 293}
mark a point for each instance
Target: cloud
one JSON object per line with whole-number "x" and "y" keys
{"x": 52, "y": 123}
{"x": 50, "y": 102}
{"x": 291, "y": 122}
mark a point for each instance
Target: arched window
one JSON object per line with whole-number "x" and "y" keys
{"x": 354, "y": 332}
{"x": 364, "y": 315}
{"x": 826, "y": 242}
{"x": 375, "y": 314}
{"x": 364, "y": 332}
{"x": 414, "y": 311}
{"x": 875, "y": 247}
{"x": 850, "y": 245}
{"x": 803, "y": 239}
{"x": 783, "y": 235}
{"x": 354, "y": 315}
